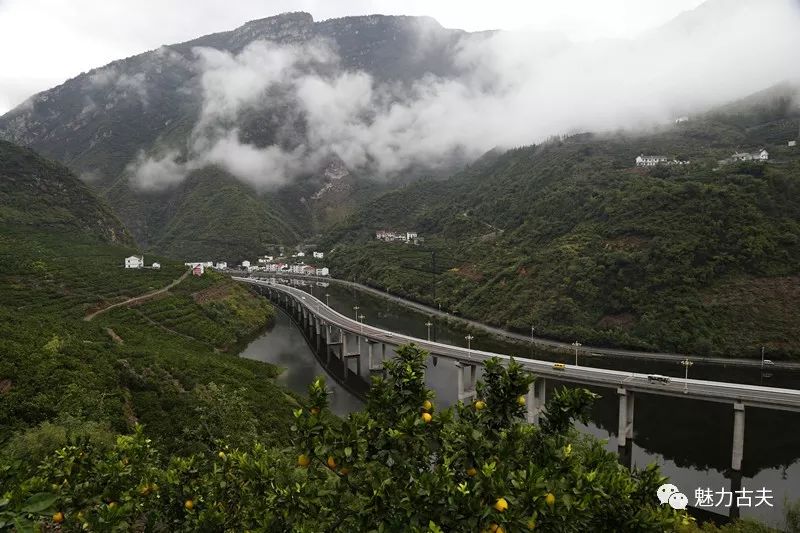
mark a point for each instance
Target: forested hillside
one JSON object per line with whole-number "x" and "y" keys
{"x": 166, "y": 362}
{"x": 571, "y": 238}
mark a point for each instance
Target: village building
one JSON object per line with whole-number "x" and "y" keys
{"x": 792, "y": 143}
{"x": 198, "y": 269}
{"x": 653, "y": 160}
{"x": 221, "y": 265}
{"x": 323, "y": 271}
{"x": 156, "y": 266}
{"x": 760, "y": 155}
{"x": 318, "y": 255}
{"x": 245, "y": 264}
{"x": 391, "y": 236}
{"x": 134, "y": 261}
{"x": 650, "y": 160}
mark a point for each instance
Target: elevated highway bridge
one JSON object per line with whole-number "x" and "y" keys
{"x": 346, "y": 338}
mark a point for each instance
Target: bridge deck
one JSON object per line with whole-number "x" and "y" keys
{"x": 715, "y": 391}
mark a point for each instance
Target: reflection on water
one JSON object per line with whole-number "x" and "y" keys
{"x": 284, "y": 346}
{"x": 690, "y": 440}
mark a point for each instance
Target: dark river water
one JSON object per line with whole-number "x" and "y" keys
{"x": 690, "y": 440}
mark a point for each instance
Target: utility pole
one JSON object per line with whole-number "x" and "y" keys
{"x": 356, "y": 308}
{"x": 429, "y": 324}
{"x": 686, "y": 364}
{"x": 577, "y": 345}
{"x": 762, "y": 358}
{"x": 361, "y": 317}
{"x": 327, "y": 299}
{"x": 469, "y": 344}
{"x": 532, "y": 330}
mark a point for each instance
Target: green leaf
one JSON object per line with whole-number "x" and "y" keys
{"x": 39, "y": 502}
{"x": 348, "y": 451}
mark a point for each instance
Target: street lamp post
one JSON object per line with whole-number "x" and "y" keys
{"x": 429, "y": 324}
{"x": 327, "y": 299}
{"x": 469, "y": 344}
{"x": 686, "y": 364}
{"x": 577, "y": 345}
{"x": 361, "y": 319}
{"x": 532, "y": 330}
{"x": 356, "y": 308}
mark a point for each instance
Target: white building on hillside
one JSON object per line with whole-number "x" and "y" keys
{"x": 318, "y": 255}
{"x": 221, "y": 265}
{"x": 651, "y": 160}
{"x": 792, "y": 143}
{"x": 156, "y": 266}
{"x": 760, "y": 155}
{"x": 134, "y": 261}
{"x": 323, "y": 271}
{"x": 245, "y": 264}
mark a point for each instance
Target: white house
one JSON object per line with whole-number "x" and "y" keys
{"x": 156, "y": 266}
{"x": 323, "y": 271}
{"x": 221, "y": 265}
{"x": 760, "y": 155}
{"x": 650, "y": 160}
{"x": 682, "y": 119}
{"x": 792, "y": 143}
{"x": 198, "y": 269}
{"x": 134, "y": 261}
{"x": 245, "y": 264}
{"x": 318, "y": 255}
{"x": 411, "y": 235}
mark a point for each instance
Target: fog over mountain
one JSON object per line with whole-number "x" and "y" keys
{"x": 510, "y": 88}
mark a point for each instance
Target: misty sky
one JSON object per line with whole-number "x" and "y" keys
{"x": 45, "y": 42}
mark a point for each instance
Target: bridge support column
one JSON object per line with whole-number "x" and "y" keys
{"x": 466, "y": 388}
{"x": 738, "y": 436}
{"x": 536, "y": 400}
{"x": 625, "y": 429}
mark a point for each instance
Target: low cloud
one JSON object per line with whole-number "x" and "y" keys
{"x": 514, "y": 89}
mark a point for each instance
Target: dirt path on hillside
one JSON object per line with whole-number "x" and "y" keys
{"x": 135, "y": 299}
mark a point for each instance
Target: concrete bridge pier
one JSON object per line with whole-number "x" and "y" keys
{"x": 535, "y": 401}
{"x": 738, "y": 437}
{"x": 625, "y": 429}
{"x": 347, "y": 355}
{"x": 371, "y": 366}
{"x": 330, "y": 343}
{"x": 466, "y": 388}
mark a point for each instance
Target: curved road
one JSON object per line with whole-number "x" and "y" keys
{"x": 550, "y": 343}
{"x": 89, "y": 317}
{"x": 716, "y": 391}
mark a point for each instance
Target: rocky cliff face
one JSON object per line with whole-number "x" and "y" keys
{"x": 101, "y": 122}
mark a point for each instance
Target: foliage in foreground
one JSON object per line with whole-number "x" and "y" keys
{"x": 399, "y": 465}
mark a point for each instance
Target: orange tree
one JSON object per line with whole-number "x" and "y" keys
{"x": 399, "y": 465}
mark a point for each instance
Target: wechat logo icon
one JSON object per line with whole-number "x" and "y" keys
{"x": 668, "y": 493}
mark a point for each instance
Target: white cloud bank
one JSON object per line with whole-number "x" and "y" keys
{"x": 516, "y": 88}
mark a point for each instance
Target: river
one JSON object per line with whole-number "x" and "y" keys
{"x": 690, "y": 440}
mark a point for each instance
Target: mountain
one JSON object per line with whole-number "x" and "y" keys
{"x": 103, "y": 122}
{"x": 571, "y": 237}
{"x": 37, "y": 194}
